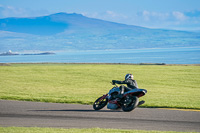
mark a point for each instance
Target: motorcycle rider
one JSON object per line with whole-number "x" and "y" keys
{"x": 129, "y": 81}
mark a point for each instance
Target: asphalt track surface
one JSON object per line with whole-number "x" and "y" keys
{"x": 36, "y": 114}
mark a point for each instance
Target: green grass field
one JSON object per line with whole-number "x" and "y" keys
{"x": 168, "y": 86}
{"x": 61, "y": 130}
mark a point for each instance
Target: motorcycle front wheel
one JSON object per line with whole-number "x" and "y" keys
{"x": 129, "y": 103}
{"x": 99, "y": 104}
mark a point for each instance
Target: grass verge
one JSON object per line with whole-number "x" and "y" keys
{"x": 73, "y": 130}
{"x": 168, "y": 86}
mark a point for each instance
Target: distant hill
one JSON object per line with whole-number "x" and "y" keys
{"x": 64, "y": 31}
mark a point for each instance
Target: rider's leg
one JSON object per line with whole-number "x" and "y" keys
{"x": 122, "y": 89}
{"x": 126, "y": 89}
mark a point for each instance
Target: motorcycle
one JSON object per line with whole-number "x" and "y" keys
{"x": 128, "y": 102}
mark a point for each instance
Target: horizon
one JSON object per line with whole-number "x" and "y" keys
{"x": 154, "y": 14}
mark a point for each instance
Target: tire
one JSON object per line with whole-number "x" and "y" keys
{"x": 100, "y": 104}
{"x": 130, "y": 106}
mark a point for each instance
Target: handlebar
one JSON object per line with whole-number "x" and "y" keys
{"x": 114, "y": 84}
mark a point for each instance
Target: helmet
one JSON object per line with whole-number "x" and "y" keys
{"x": 128, "y": 76}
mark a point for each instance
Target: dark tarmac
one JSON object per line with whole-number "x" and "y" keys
{"x": 37, "y": 114}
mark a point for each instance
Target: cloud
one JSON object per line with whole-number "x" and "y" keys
{"x": 107, "y": 15}
{"x": 149, "y": 16}
{"x": 189, "y": 20}
{"x": 179, "y": 15}
{"x": 178, "y": 20}
{"x": 10, "y": 11}
{"x": 115, "y": 15}
{"x": 194, "y": 13}
{"x": 159, "y": 16}
{"x": 166, "y": 20}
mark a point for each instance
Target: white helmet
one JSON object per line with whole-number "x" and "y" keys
{"x": 128, "y": 76}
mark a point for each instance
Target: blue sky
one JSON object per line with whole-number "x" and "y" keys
{"x": 165, "y": 14}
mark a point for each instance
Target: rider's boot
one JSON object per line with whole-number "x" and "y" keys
{"x": 141, "y": 102}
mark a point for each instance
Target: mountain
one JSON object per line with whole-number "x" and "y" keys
{"x": 64, "y": 31}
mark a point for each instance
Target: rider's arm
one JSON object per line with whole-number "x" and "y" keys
{"x": 118, "y": 82}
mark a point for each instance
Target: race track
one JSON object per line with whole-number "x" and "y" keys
{"x": 36, "y": 114}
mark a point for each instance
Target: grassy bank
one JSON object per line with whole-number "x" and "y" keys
{"x": 60, "y": 130}
{"x": 168, "y": 86}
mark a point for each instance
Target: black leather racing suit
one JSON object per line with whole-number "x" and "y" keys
{"x": 131, "y": 84}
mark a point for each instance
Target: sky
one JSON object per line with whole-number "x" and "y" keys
{"x": 157, "y": 14}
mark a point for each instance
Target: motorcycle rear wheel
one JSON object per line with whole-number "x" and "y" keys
{"x": 100, "y": 104}
{"x": 127, "y": 107}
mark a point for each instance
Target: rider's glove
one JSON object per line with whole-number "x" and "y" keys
{"x": 113, "y": 82}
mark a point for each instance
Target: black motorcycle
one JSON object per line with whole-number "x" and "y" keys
{"x": 128, "y": 102}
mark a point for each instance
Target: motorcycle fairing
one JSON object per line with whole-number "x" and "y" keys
{"x": 112, "y": 104}
{"x": 115, "y": 89}
{"x": 136, "y": 92}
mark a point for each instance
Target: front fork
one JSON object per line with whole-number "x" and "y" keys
{"x": 103, "y": 97}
